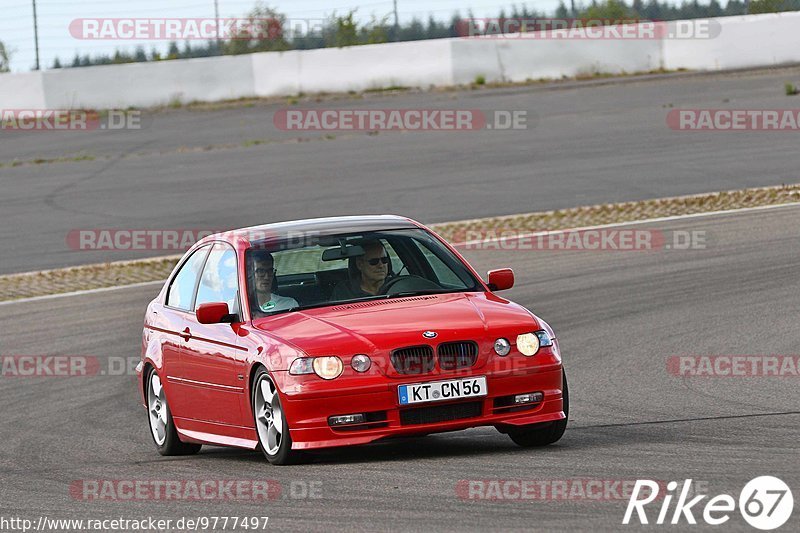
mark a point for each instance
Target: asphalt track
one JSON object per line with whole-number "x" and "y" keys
{"x": 619, "y": 316}
{"x": 586, "y": 144}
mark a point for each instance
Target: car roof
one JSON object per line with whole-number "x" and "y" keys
{"x": 318, "y": 226}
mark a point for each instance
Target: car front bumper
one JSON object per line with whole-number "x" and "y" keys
{"x": 309, "y": 412}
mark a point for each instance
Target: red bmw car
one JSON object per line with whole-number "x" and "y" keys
{"x": 340, "y": 331}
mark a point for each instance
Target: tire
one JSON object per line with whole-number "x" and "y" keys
{"x": 271, "y": 425}
{"x": 162, "y": 426}
{"x": 537, "y": 435}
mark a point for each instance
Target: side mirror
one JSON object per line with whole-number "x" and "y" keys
{"x": 501, "y": 279}
{"x": 214, "y": 313}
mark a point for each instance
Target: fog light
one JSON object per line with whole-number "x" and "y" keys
{"x": 346, "y": 419}
{"x": 502, "y": 347}
{"x": 531, "y": 397}
{"x": 360, "y": 363}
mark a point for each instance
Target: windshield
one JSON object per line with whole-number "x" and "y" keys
{"x": 318, "y": 270}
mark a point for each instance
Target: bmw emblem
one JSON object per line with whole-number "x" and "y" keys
{"x": 429, "y": 334}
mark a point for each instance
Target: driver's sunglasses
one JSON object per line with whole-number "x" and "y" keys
{"x": 377, "y": 260}
{"x": 264, "y": 272}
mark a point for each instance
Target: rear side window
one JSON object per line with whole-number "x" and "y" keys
{"x": 220, "y": 280}
{"x": 181, "y": 291}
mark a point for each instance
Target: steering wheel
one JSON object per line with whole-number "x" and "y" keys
{"x": 407, "y": 283}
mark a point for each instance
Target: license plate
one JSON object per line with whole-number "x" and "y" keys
{"x": 437, "y": 391}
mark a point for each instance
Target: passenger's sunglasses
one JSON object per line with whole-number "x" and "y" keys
{"x": 263, "y": 272}
{"x": 376, "y": 261}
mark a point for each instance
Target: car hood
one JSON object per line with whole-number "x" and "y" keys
{"x": 383, "y": 325}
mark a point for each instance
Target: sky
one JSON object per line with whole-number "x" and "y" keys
{"x": 54, "y": 16}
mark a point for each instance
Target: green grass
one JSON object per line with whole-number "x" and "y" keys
{"x": 46, "y": 161}
{"x": 387, "y": 89}
{"x": 253, "y": 142}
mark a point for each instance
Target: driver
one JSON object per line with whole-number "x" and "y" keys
{"x": 369, "y": 275}
{"x": 264, "y": 276}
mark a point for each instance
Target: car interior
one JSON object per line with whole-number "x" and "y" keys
{"x": 331, "y": 261}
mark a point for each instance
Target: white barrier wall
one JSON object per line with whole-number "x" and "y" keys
{"x": 22, "y": 91}
{"x": 522, "y": 59}
{"x": 275, "y": 73}
{"x": 747, "y": 41}
{"x": 150, "y": 84}
{"x": 412, "y": 64}
{"x": 755, "y": 40}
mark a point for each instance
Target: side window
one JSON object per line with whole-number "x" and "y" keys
{"x": 220, "y": 281}
{"x": 181, "y": 291}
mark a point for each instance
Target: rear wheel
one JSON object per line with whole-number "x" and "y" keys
{"x": 162, "y": 426}
{"x": 543, "y": 434}
{"x": 271, "y": 425}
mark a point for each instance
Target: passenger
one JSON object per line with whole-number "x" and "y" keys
{"x": 367, "y": 273}
{"x": 264, "y": 276}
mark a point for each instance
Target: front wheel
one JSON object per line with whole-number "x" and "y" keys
{"x": 543, "y": 434}
{"x": 271, "y": 425}
{"x": 162, "y": 426}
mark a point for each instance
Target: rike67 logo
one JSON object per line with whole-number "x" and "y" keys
{"x": 765, "y": 503}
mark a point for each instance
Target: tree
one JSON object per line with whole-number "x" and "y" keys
{"x": 771, "y": 6}
{"x": 5, "y": 58}
{"x": 714, "y": 9}
{"x": 377, "y": 31}
{"x": 345, "y": 30}
{"x": 266, "y": 32}
{"x": 610, "y": 12}
{"x": 415, "y": 31}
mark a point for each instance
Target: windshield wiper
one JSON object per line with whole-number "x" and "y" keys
{"x": 331, "y": 303}
{"x": 422, "y": 292}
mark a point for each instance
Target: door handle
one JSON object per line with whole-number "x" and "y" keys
{"x": 187, "y": 334}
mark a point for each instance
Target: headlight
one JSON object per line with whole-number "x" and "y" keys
{"x": 328, "y": 367}
{"x": 302, "y": 366}
{"x": 502, "y": 347}
{"x": 528, "y": 344}
{"x": 360, "y": 363}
